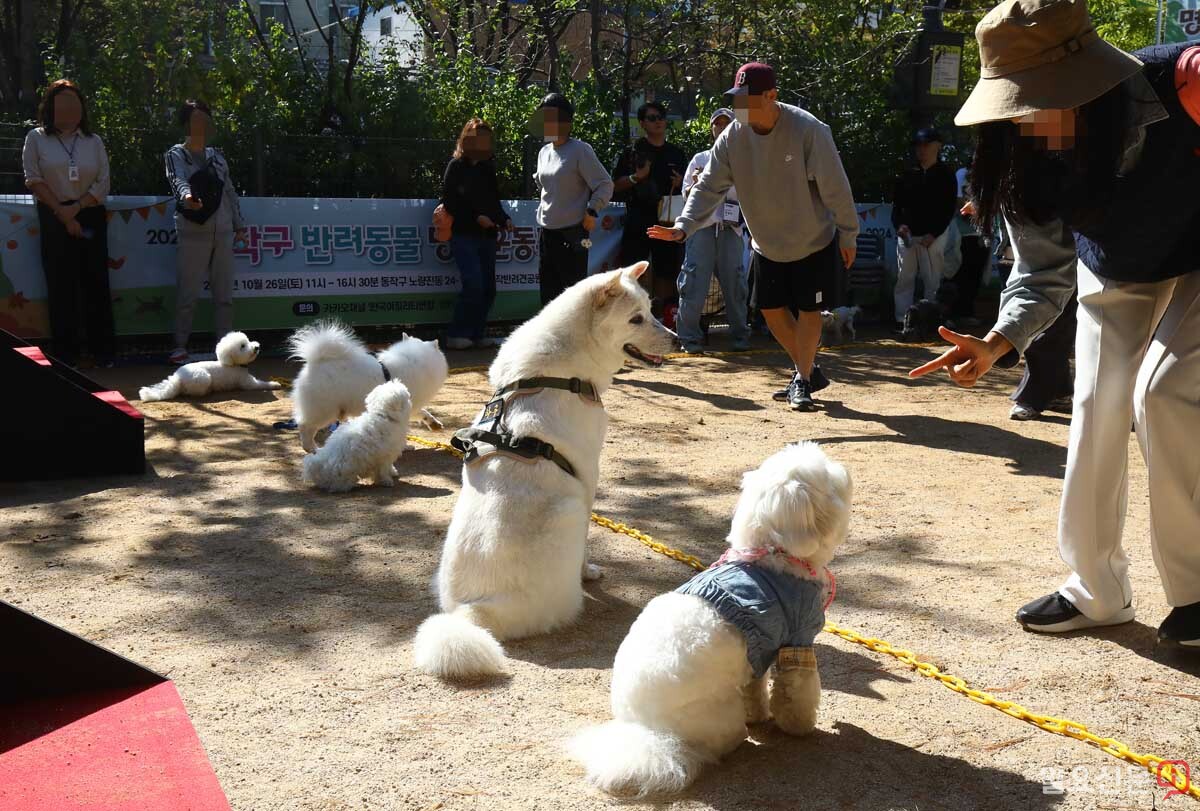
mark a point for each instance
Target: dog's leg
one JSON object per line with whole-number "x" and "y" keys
{"x": 308, "y": 438}
{"x": 754, "y": 698}
{"x": 386, "y": 474}
{"x": 591, "y": 572}
{"x": 262, "y": 385}
{"x": 796, "y": 691}
{"x": 429, "y": 421}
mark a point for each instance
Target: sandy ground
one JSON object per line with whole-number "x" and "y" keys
{"x": 285, "y": 616}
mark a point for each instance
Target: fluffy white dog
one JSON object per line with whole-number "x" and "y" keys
{"x": 691, "y": 672}
{"x": 227, "y": 373}
{"x": 837, "y": 324}
{"x": 515, "y": 550}
{"x": 366, "y": 446}
{"x": 339, "y": 372}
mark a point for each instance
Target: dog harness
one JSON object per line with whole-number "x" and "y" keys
{"x": 772, "y": 609}
{"x": 477, "y": 441}
{"x": 387, "y": 376}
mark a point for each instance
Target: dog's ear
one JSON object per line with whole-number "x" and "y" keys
{"x": 404, "y": 336}
{"x": 636, "y": 271}
{"x": 610, "y": 290}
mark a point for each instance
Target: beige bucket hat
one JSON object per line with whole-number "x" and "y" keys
{"x": 1041, "y": 55}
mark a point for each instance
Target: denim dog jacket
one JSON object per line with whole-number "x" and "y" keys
{"x": 772, "y": 609}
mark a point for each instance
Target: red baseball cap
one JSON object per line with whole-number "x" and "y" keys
{"x": 1187, "y": 79}
{"x": 753, "y": 78}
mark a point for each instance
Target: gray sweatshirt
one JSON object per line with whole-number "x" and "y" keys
{"x": 572, "y": 180}
{"x": 790, "y": 183}
{"x": 181, "y": 166}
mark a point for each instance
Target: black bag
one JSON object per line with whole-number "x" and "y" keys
{"x": 209, "y": 187}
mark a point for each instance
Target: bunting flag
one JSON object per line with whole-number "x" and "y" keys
{"x": 143, "y": 212}
{"x": 161, "y": 208}
{"x": 126, "y": 214}
{"x": 108, "y": 215}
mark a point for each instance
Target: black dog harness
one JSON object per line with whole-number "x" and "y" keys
{"x": 477, "y": 442}
{"x": 387, "y": 376}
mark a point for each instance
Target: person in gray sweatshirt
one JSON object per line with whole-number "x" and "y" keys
{"x": 575, "y": 187}
{"x": 798, "y": 207}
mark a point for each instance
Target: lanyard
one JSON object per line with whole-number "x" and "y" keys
{"x": 70, "y": 152}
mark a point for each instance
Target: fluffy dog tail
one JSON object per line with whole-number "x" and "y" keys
{"x": 166, "y": 390}
{"x": 451, "y": 646}
{"x": 625, "y": 758}
{"x": 324, "y": 341}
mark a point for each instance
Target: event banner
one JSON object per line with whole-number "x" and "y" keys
{"x": 1181, "y": 21}
{"x": 364, "y": 261}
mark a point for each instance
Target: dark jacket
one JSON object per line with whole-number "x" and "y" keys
{"x": 926, "y": 199}
{"x": 469, "y": 190}
{"x": 641, "y": 202}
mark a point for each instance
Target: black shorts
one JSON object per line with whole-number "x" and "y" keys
{"x": 808, "y": 285}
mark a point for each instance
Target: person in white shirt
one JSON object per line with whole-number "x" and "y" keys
{"x": 66, "y": 169}
{"x": 718, "y": 246}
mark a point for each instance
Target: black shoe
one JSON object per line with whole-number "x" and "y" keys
{"x": 1055, "y": 614}
{"x": 817, "y": 380}
{"x": 801, "y": 397}
{"x": 1181, "y": 628}
{"x": 785, "y": 394}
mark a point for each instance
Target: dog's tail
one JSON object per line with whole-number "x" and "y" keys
{"x": 167, "y": 390}
{"x": 451, "y": 646}
{"x": 625, "y": 758}
{"x": 324, "y": 341}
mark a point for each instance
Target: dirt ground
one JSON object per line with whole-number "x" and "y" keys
{"x": 285, "y": 616}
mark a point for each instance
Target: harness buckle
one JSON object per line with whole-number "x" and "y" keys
{"x": 576, "y": 385}
{"x": 546, "y": 451}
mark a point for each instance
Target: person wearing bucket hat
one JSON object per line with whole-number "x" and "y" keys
{"x": 798, "y": 207}
{"x": 717, "y": 247}
{"x": 1091, "y": 156}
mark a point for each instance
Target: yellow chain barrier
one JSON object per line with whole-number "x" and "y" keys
{"x": 1163, "y": 768}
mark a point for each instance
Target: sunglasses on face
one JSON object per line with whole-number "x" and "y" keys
{"x": 653, "y": 119}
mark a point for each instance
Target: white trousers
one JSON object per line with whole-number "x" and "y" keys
{"x": 916, "y": 259}
{"x": 1137, "y": 357}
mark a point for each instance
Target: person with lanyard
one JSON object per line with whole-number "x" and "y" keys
{"x": 208, "y": 220}
{"x": 575, "y": 187}
{"x": 798, "y": 206}
{"x": 923, "y": 208}
{"x": 471, "y": 194}
{"x": 1092, "y": 156}
{"x": 718, "y": 248}
{"x": 644, "y": 175}
{"x": 66, "y": 170}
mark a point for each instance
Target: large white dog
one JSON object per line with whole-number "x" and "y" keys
{"x": 339, "y": 372}
{"x": 366, "y": 446}
{"x": 514, "y": 553}
{"x": 227, "y": 373}
{"x": 691, "y": 672}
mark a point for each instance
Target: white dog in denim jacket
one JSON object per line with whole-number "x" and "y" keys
{"x": 692, "y": 671}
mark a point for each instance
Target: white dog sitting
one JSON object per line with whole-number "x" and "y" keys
{"x": 227, "y": 373}
{"x": 339, "y": 372}
{"x": 691, "y": 672}
{"x": 366, "y": 446}
{"x": 837, "y": 324}
{"x": 515, "y": 552}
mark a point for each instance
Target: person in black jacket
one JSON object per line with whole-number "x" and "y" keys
{"x": 646, "y": 173}
{"x": 925, "y": 203}
{"x": 471, "y": 195}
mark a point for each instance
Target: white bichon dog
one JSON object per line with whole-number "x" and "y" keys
{"x": 227, "y": 373}
{"x": 366, "y": 446}
{"x": 339, "y": 371}
{"x": 837, "y": 324}
{"x": 691, "y": 672}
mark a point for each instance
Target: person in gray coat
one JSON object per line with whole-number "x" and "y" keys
{"x": 208, "y": 220}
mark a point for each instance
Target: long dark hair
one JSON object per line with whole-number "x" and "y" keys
{"x": 1017, "y": 177}
{"x": 46, "y": 108}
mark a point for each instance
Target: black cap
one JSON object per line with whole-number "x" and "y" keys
{"x": 927, "y": 135}
{"x": 559, "y": 102}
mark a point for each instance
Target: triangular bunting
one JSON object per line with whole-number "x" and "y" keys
{"x": 108, "y": 215}
{"x": 144, "y": 212}
{"x": 161, "y": 208}
{"x": 126, "y": 214}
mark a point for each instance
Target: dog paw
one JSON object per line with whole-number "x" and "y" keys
{"x": 431, "y": 422}
{"x": 592, "y": 572}
{"x": 386, "y": 482}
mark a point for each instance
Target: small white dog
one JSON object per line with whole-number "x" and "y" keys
{"x": 339, "y": 372}
{"x": 837, "y": 324}
{"x": 227, "y": 373}
{"x": 515, "y": 550}
{"x": 691, "y": 672}
{"x": 366, "y": 446}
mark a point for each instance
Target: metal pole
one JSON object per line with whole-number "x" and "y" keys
{"x": 1161, "y": 19}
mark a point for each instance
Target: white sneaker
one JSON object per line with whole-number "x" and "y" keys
{"x": 488, "y": 343}
{"x": 179, "y": 356}
{"x": 459, "y": 343}
{"x": 1023, "y": 413}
